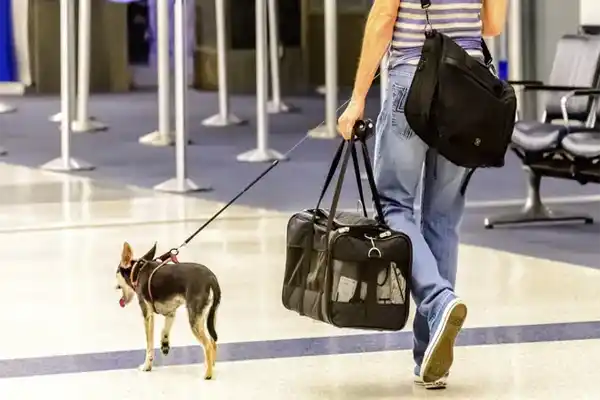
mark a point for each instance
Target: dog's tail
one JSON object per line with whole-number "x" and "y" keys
{"x": 210, "y": 320}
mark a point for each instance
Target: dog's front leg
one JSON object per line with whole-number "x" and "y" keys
{"x": 149, "y": 328}
{"x": 166, "y": 332}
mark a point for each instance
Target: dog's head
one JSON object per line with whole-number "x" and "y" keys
{"x": 125, "y": 269}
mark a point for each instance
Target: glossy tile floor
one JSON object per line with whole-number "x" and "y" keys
{"x": 532, "y": 332}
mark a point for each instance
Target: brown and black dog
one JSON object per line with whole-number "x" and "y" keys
{"x": 161, "y": 288}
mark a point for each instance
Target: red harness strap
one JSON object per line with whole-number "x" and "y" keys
{"x": 134, "y": 283}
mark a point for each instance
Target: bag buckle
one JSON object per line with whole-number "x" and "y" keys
{"x": 374, "y": 252}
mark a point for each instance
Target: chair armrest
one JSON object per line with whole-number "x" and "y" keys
{"x": 575, "y": 93}
{"x": 554, "y": 88}
{"x": 525, "y": 83}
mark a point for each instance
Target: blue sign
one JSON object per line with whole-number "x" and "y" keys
{"x": 8, "y": 68}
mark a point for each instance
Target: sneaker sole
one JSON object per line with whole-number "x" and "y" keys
{"x": 437, "y": 385}
{"x": 439, "y": 359}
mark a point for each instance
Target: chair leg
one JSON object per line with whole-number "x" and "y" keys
{"x": 534, "y": 210}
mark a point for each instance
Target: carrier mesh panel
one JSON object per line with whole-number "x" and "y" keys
{"x": 350, "y": 283}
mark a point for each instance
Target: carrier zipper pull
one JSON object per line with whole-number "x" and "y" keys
{"x": 344, "y": 229}
{"x": 385, "y": 234}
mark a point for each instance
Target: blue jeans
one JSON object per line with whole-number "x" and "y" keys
{"x": 399, "y": 159}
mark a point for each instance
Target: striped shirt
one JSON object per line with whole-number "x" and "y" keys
{"x": 458, "y": 19}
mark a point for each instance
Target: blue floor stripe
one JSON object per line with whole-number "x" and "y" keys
{"x": 287, "y": 348}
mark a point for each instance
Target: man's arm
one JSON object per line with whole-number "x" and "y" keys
{"x": 378, "y": 34}
{"x": 493, "y": 16}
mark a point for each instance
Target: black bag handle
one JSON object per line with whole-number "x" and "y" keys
{"x": 371, "y": 179}
{"x": 363, "y": 130}
{"x": 487, "y": 56}
{"x": 359, "y": 181}
{"x": 358, "y": 129}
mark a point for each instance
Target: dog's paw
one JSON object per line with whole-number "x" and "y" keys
{"x": 207, "y": 377}
{"x": 145, "y": 367}
{"x": 164, "y": 347}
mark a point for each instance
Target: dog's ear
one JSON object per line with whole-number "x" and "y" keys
{"x": 126, "y": 255}
{"x": 149, "y": 256}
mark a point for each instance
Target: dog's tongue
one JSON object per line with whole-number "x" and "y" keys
{"x": 122, "y": 302}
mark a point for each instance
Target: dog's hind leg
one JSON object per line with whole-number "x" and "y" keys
{"x": 166, "y": 332}
{"x": 205, "y": 340}
{"x": 149, "y": 328}
{"x": 198, "y": 313}
{"x": 211, "y": 323}
{"x": 214, "y": 300}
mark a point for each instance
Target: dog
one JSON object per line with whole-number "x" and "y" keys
{"x": 161, "y": 288}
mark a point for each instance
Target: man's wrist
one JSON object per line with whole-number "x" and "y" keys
{"x": 357, "y": 98}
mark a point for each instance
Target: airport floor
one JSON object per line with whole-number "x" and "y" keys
{"x": 531, "y": 320}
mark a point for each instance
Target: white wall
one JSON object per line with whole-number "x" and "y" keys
{"x": 589, "y": 12}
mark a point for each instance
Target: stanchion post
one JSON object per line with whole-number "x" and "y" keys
{"x": 163, "y": 136}
{"x": 514, "y": 48}
{"x": 181, "y": 183}
{"x": 328, "y": 129}
{"x": 224, "y": 117}
{"x": 65, "y": 163}
{"x": 262, "y": 153}
{"x": 83, "y": 122}
{"x": 275, "y": 105}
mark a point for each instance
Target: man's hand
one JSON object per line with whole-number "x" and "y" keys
{"x": 352, "y": 113}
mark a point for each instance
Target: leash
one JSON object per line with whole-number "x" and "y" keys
{"x": 174, "y": 252}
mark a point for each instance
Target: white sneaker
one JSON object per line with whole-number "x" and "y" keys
{"x": 436, "y": 385}
{"x": 439, "y": 355}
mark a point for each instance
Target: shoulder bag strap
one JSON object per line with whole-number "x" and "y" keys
{"x": 487, "y": 56}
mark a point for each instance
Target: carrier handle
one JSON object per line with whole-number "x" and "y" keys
{"x": 372, "y": 185}
{"x": 360, "y": 132}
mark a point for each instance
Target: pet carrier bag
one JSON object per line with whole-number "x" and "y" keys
{"x": 347, "y": 269}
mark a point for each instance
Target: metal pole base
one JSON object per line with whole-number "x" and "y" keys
{"x": 91, "y": 125}
{"x": 218, "y": 120}
{"x": 321, "y": 90}
{"x": 280, "y": 108}
{"x": 3, "y": 151}
{"x": 323, "y": 132}
{"x": 156, "y": 139}
{"x": 173, "y": 185}
{"x": 7, "y": 108}
{"x": 73, "y": 165}
{"x": 259, "y": 155}
{"x": 58, "y": 118}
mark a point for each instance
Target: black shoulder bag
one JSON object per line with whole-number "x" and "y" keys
{"x": 457, "y": 106}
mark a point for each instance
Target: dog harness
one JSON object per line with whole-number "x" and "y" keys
{"x": 172, "y": 258}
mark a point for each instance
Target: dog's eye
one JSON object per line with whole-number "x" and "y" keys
{"x": 118, "y": 287}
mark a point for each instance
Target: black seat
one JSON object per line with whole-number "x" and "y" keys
{"x": 535, "y": 136}
{"x": 583, "y": 144}
{"x": 537, "y": 143}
